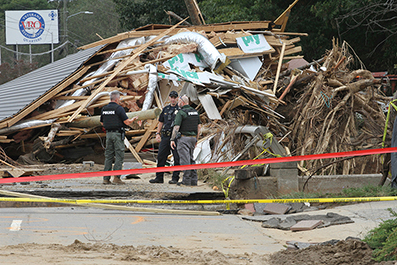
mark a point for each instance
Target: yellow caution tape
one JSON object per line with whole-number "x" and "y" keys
{"x": 226, "y": 187}
{"x": 318, "y": 200}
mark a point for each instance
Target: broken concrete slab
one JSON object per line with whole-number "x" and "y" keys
{"x": 276, "y": 208}
{"x": 327, "y": 219}
{"x": 292, "y": 208}
{"x": 306, "y": 225}
{"x": 285, "y": 222}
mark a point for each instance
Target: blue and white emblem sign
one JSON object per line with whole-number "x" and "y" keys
{"x": 32, "y": 27}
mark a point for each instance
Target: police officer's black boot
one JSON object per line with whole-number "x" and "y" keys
{"x": 156, "y": 180}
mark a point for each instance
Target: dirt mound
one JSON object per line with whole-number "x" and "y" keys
{"x": 346, "y": 252}
{"x": 80, "y": 253}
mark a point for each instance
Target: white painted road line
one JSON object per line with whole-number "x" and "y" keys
{"x": 16, "y": 225}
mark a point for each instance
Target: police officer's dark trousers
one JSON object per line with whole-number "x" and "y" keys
{"x": 164, "y": 151}
{"x": 185, "y": 149}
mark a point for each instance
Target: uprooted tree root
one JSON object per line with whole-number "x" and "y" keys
{"x": 339, "y": 111}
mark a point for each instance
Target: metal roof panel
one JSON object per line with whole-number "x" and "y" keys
{"x": 17, "y": 94}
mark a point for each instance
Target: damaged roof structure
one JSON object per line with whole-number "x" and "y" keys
{"x": 248, "y": 80}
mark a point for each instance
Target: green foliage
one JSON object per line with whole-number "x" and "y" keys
{"x": 369, "y": 26}
{"x": 17, "y": 69}
{"x": 138, "y": 13}
{"x": 216, "y": 11}
{"x": 83, "y": 28}
{"x": 366, "y": 191}
{"x": 369, "y": 191}
{"x": 383, "y": 239}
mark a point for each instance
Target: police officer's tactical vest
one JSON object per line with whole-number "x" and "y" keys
{"x": 190, "y": 123}
{"x": 169, "y": 117}
{"x": 110, "y": 119}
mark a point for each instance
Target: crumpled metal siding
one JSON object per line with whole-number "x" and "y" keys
{"x": 17, "y": 94}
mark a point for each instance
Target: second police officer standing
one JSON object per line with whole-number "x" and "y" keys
{"x": 163, "y": 136}
{"x": 185, "y": 133}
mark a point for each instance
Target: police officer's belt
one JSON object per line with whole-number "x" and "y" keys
{"x": 166, "y": 133}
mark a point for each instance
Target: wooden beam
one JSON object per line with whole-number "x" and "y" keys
{"x": 146, "y": 136}
{"x": 158, "y": 103}
{"x": 47, "y": 96}
{"x": 283, "y": 18}
{"x": 280, "y": 62}
{"x": 132, "y": 150}
{"x": 224, "y": 108}
{"x": 293, "y": 50}
{"x": 234, "y": 53}
{"x": 136, "y": 52}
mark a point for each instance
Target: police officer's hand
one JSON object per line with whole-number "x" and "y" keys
{"x": 173, "y": 145}
{"x": 158, "y": 138}
{"x": 129, "y": 121}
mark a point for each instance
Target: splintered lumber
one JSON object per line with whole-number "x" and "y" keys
{"x": 120, "y": 67}
{"x": 51, "y": 135}
{"x": 146, "y": 136}
{"x": 94, "y": 121}
{"x": 280, "y": 62}
{"x": 234, "y": 53}
{"x": 132, "y": 150}
{"x": 283, "y": 18}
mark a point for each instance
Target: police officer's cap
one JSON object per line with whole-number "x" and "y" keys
{"x": 174, "y": 94}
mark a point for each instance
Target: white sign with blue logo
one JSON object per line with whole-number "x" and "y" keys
{"x": 32, "y": 27}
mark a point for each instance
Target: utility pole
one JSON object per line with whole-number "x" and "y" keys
{"x": 65, "y": 25}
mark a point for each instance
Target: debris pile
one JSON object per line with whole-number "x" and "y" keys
{"x": 337, "y": 110}
{"x": 234, "y": 75}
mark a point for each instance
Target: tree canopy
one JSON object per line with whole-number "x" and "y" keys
{"x": 369, "y": 26}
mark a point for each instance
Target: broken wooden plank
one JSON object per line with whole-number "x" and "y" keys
{"x": 235, "y": 53}
{"x": 293, "y": 50}
{"x": 146, "y": 136}
{"x": 280, "y": 62}
{"x": 224, "y": 108}
{"x": 132, "y": 150}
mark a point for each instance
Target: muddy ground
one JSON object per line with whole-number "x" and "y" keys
{"x": 349, "y": 252}
{"x": 344, "y": 252}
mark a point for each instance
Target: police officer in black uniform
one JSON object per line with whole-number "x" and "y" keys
{"x": 163, "y": 135}
{"x": 114, "y": 119}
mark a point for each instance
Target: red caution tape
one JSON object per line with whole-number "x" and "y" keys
{"x": 201, "y": 166}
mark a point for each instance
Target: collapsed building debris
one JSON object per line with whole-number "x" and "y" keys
{"x": 235, "y": 75}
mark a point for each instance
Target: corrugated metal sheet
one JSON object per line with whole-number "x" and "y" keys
{"x": 22, "y": 91}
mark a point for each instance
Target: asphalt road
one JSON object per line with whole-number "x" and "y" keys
{"x": 225, "y": 233}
